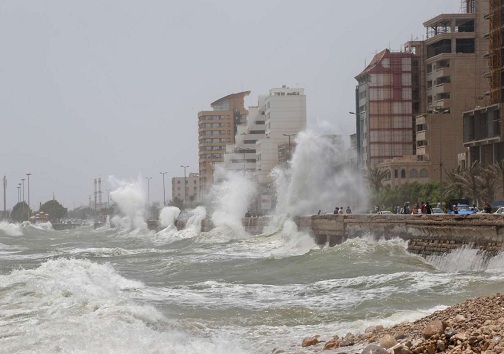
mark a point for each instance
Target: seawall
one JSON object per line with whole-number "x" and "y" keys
{"x": 426, "y": 234}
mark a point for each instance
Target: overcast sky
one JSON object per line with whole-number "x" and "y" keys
{"x": 96, "y": 88}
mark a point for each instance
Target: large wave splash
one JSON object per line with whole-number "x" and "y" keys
{"x": 131, "y": 199}
{"x": 230, "y": 199}
{"x": 319, "y": 177}
{"x": 10, "y": 229}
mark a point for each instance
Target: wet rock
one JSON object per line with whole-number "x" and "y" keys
{"x": 374, "y": 349}
{"x": 387, "y": 341}
{"x": 332, "y": 343}
{"x": 309, "y": 341}
{"x": 433, "y": 328}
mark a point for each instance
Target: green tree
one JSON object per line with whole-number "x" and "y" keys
{"x": 375, "y": 178}
{"x": 54, "y": 209}
{"x": 499, "y": 170}
{"x": 21, "y": 212}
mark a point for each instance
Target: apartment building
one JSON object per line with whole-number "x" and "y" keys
{"x": 388, "y": 100}
{"x": 284, "y": 111}
{"x": 483, "y": 124}
{"x": 241, "y": 156}
{"x": 217, "y": 129}
{"x": 454, "y": 64}
{"x": 186, "y": 188}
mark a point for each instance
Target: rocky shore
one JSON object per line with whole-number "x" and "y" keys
{"x": 474, "y": 326}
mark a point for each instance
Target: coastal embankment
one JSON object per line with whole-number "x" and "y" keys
{"x": 426, "y": 234}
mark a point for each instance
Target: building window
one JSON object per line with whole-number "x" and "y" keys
{"x": 424, "y": 173}
{"x": 413, "y": 173}
{"x": 403, "y": 174}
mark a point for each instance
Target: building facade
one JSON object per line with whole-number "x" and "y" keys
{"x": 186, "y": 188}
{"x": 388, "y": 98}
{"x": 217, "y": 129}
{"x": 484, "y": 124}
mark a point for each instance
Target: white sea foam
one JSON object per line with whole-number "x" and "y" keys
{"x": 10, "y": 229}
{"x": 230, "y": 199}
{"x": 130, "y": 198}
{"x": 77, "y": 306}
{"x": 318, "y": 178}
{"x": 463, "y": 259}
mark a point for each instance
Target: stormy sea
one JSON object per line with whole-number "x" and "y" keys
{"x": 128, "y": 289}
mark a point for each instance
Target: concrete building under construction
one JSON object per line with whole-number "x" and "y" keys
{"x": 483, "y": 124}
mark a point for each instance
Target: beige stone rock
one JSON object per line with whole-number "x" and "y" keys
{"x": 374, "y": 349}
{"x": 332, "y": 344}
{"x": 387, "y": 341}
{"x": 460, "y": 318}
{"x": 433, "y": 328}
{"x": 309, "y": 341}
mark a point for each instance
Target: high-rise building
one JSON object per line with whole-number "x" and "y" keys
{"x": 454, "y": 65}
{"x": 216, "y": 129}
{"x": 484, "y": 124}
{"x": 284, "y": 111}
{"x": 388, "y": 94}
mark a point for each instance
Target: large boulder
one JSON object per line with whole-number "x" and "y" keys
{"x": 387, "y": 341}
{"x": 433, "y": 328}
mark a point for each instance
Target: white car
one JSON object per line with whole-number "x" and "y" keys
{"x": 385, "y": 212}
{"x": 437, "y": 211}
{"x": 499, "y": 211}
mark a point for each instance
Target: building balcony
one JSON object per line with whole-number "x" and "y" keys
{"x": 444, "y": 87}
{"x": 420, "y": 136}
{"x": 420, "y": 150}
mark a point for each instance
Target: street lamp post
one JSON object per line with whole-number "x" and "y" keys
{"x": 289, "y": 136}
{"x": 185, "y": 182}
{"x": 148, "y": 189}
{"x": 244, "y": 159}
{"x": 22, "y": 180}
{"x": 19, "y": 192}
{"x": 164, "y": 190}
{"x": 28, "y": 175}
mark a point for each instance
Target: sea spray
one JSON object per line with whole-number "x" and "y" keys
{"x": 319, "y": 177}
{"x": 130, "y": 198}
{"x": 168, "y": 216}
{"x": 230, "y": 199}
{"x": 10, "y": 229}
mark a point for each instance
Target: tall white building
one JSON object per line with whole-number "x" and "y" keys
{"x": 284, "y": 111}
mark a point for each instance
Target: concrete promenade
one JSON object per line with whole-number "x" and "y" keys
{"x": 426, "y": 234}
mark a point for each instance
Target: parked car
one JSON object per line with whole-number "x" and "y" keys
{"x": 437, "y": 211}
{"x": 464, "y": 209}
{"x": 500, "y": 211}
{"x": 385, "y": 212}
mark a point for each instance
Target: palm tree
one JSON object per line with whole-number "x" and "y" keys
{"x": 472, "y": 180}
{"x": 499, "y": 169}
{"x": 375, "y": 178}
{"x": 489, "y": 179}
{"x": 456, "y": 185}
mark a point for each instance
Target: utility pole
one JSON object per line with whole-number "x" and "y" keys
{"x": 164, "y": 191}
{"x": 28, "y": 174}
{"x": 148, "y": 190}
{"x": 185, "y": 183}
{"x": 4, "y": 216}
{"x": 22, "y": 181}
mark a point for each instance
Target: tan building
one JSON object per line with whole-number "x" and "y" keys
{"x": 451, "y": 71}
{"x": 216, "y": 129}
{"x": 484, "y": 124}
{"x": 454, "y": 65}
{"x": 186, "y": 188}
